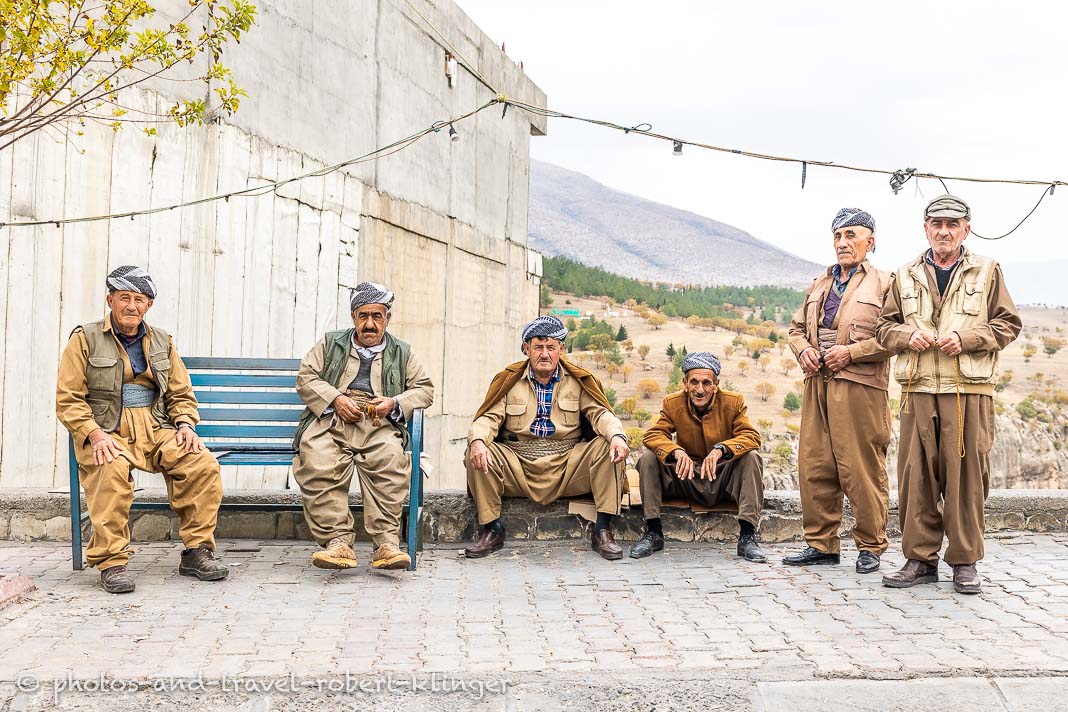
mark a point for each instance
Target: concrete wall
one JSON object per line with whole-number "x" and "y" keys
{"x": 445, "y": 224}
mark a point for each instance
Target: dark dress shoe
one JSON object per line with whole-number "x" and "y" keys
{"x": 201, "y": 562}
{"x": 811, "y": 557}
{"x": 603, "y": 543}
{"x": 650, "y": 542}
{"x": 116, "y": 580}
{"x": 489, "y": 541}
{"x": 966, "y": 579}
{"x": 867, "y": 562}
{"x": 913, "y": 572}
{"x": 749, "y": 549}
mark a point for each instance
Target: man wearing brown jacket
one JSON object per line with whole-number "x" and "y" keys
{"x": 545, "y": 431}
{"x": 845, "y": 414}
{"x": 948, "y": 315}
{"x": 125, "y": 396}
{"x": 703, "y": 449}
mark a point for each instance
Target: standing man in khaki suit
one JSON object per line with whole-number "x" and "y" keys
{"x": 361, "y": 386}
{"x": 845, "y": 414}
{"x": 545, "y": 431}
{"x": 125, "y": 396}
{"x": 947, "y": 316}
{"x": 702, "y": 449}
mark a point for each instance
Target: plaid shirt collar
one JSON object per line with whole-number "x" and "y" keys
{"x": 542, "y": 426}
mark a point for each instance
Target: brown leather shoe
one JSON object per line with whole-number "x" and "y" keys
{"x": 603, "y": 543}
{"x": 966, "y": 579}
{"x": 201, "y": 562}
{"x": 913, "y": 572}
{"x": 116, "y": 580}
{"x": 489, "y": 541}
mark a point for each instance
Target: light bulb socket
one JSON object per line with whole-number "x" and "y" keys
{"x": 453, "y": 135}
{"x": 678, "y": 149}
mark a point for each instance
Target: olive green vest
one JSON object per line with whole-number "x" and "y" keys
{"x": 338, "y": 347}
{"x": 104, "y": 374}
{"x": 964, "y": 305}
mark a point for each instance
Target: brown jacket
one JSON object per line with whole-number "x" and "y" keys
{"x": 980, "y": 310}
{"x": 511, "y": 406}
{"x": 856, "y": 321}
{"x": 726, "y": 423}
{"x": 72, "y": 385}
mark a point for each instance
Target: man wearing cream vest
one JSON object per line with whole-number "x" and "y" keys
{"x": 948, "y": 315}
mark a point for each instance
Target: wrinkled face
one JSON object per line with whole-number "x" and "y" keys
{"x": 946, "y": 235}
{"x": 128, "y": 309}
{"x": 852, "y": 245}
{"x": 370, "y": 321}
{"x": 544, "y": 354}
{"x": 701, "y": 384}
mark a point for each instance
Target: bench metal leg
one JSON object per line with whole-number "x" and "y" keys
{"x": 415, "y": 496}
{"x": 75, "y": 511}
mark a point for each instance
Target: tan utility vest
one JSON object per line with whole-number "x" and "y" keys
{"x": 964, "y": 305}
{"x": 104, "y": 375}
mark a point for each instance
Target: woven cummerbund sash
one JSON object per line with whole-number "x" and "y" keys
{"x": 135, "y": 396}
{"x": 827, "y": 338}
{"x": 537, "y": 448}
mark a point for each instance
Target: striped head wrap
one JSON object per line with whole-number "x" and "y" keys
{"x": 129, "y": 278}
{"x": 701, "y": 359}
{"x": 371, "y": 293}
{"x": 848, "y": 217}
{"x": 548, "y": 327}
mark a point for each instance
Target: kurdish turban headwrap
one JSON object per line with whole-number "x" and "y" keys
{"x": 849, "y": 217}
{"x": 701, "y": 359}
{"x": 371, "y": 293}
{"x": 548, "y": 327}
{"x": 129, "y": 278}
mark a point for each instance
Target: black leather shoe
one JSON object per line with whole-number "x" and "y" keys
{"x": 811, "y": 557}
{"x": 749, "y": 549}
{"x": 650, "y": 542}
{"x": 867, "y": 563}
{"x": 489, "y": 541}
{"x": 604, "y": 544}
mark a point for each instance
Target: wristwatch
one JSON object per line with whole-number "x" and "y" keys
{"x": 721, "y": 447}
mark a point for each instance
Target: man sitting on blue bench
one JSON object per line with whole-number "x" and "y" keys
{"x": 125, "y": 396}
{"x": 360, "y": 385}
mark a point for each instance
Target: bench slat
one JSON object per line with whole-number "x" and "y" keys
{"x": 258, "y": 397}
{"x": 273, "y": 415}
{"x": 247, "y": 458}
{"x": 240, "y": 364}
{"x": 228, "y": 379}
{"x": 246, "y": 431}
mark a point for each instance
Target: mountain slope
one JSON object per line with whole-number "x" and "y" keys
{"x": 577, "y": 217}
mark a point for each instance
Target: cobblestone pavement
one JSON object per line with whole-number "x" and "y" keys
{"x": 692, "y": 626}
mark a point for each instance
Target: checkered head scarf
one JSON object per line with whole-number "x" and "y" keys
{"x": 371, "y": 293}
{"x": 849, "y": 217}
{"x": 129, "y": 278}
{"x": 548, "y": 327}
{"x": 701, "y": 359}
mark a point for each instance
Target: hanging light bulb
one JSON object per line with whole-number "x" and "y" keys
{"x": 453, "y": 136}
{"x": 678, "y": 149}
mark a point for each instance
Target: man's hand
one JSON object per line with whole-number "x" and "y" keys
{"x": 708, "y": 467}
{"x": 810, "y": 361}
{"x": 921, "y": 340}
{"x": 619, "y": 449}
{"x": 188, "y": 439}
{"x": 383, "y": 405}
{"x": 479, "y": 456}
{"x": 683, "y": 465}
{"x": 347, "y": 409}
{"x": 837, "y": 358}
{"x": 951, "y": 345}
{"x": 105, "y": 449}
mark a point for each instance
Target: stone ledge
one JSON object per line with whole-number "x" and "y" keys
{"x": 33, "y": 515}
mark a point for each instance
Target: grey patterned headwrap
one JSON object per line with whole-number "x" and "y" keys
{"x": 848, "y": 217}
{"x": 130, "y": 278}
{"x": 701, "y": 359}
{"x": 371, "y": 293}
{"x": 548, "y": 327}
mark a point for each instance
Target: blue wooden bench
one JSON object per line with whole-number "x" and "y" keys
{"x": 228, "y": 394}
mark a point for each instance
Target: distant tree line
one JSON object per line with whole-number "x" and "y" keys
{"x": 565, "y": 275}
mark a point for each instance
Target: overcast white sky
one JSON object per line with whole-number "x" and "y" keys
{"x": 957, "y": 88}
